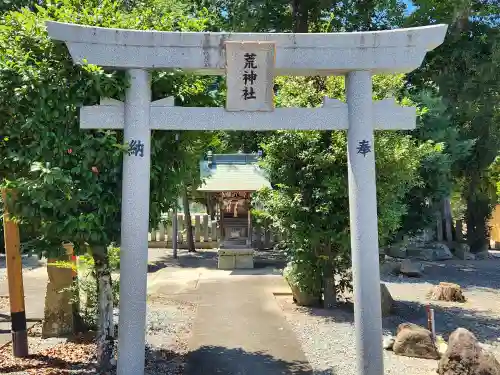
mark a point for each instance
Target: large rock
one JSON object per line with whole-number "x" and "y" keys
{"x": 414, "y": 341}
{"x": 465, "y": 356}
{"x": 462, "y": 251}
{"x": 387, "y": 300}
{"x": 429, "y": 251}
{"x": 300, "y": 297}
{"x": 396, "y": 251}
{"x": 303, "y": 298}
{"x": 483, "y": 255}
{"x": 390, "y": 267}
{"x": 412, "y": 269}
{"x": 442, "y": 252}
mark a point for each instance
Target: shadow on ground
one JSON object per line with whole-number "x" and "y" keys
{"x": 28, "y": 262}
{"x": 185, "y": 259}
{"x": 447, "y": 319}
{"x": 467, "y": 274}
{"x": 208, "y": 259}
{"x": 46, "y": 362}
{"x": 211, "y": 360}
{"x": 6, "y": 318}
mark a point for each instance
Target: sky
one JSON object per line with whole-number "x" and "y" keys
{"x": 409, "y": 6}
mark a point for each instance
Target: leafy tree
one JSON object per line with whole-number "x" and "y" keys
{"x": 465, "y": 71}
{"x": 309, "y": 200}
{"x": 8, "y": 5}
{"x": 305, "y": 15}
{"x": 69, "y": 180}
{"x": 436, "y": 170}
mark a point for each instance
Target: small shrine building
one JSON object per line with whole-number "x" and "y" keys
{"x": 230, "y": 180}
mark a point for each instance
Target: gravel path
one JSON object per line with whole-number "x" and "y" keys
{"x": 328, "y": 339}
{"x": 168, "y": 327}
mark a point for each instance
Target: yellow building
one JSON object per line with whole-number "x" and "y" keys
{"x": 495, "y": 228}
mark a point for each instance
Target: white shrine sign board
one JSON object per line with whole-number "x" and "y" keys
{"x": 250, "y": 76}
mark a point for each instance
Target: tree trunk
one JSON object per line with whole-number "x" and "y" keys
{"x": 300, "y": 13}
{"x": 187, "y": 221}
{"x": 448, "y": 219}
{"x": 477, "y": 230}
{"x": 211, "y": 205}
{"x": 478, "y": 212}
{"x": 105, "y": 332}
{"x": 329, "y": 289}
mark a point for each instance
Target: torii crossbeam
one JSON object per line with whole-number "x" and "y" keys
{"x": 356, "y": 55}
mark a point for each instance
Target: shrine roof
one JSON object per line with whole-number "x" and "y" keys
{"x": 232, "y": 172}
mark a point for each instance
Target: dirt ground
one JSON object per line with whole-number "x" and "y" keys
{"x": 328, "y": 336}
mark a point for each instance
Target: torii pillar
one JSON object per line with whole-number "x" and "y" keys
{"x": 355, "y": 55}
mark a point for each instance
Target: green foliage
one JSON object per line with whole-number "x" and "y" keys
{"x": 304, "y": 15}
{"x": 304, "y": 275}
{"x": 85, "y": 289}
{"x": 8, "y": 5}
{"x": 69, "y": 180}
{"x": 308, "y": 171}
{"x": 434, "y": 128}
{"x": 465, "y": 71}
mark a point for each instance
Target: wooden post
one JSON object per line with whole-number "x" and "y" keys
{"x": 180, "y": 227}
{"x": 250, "y": 229}
{"x": 161, "y": 229}
{"x": 205, "y": 228}
{"x": 258, "y": 235}
{"x": 267, "y": 238}
{"x": 221, "y": 223}
{"x": 213, "y": 236}
{"x": 15, "y": 280}
{"x": 197, "y": 228}
{"x": 175, "y": 232}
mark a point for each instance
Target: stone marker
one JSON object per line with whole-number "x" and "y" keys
{"x": 462, "y": 251}
{"x": 58, "y": 311}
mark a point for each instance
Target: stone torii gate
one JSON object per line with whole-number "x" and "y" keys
{"x": 356, "y": 55}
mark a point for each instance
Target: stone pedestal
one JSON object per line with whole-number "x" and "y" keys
{"x": 230, "y": 259}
